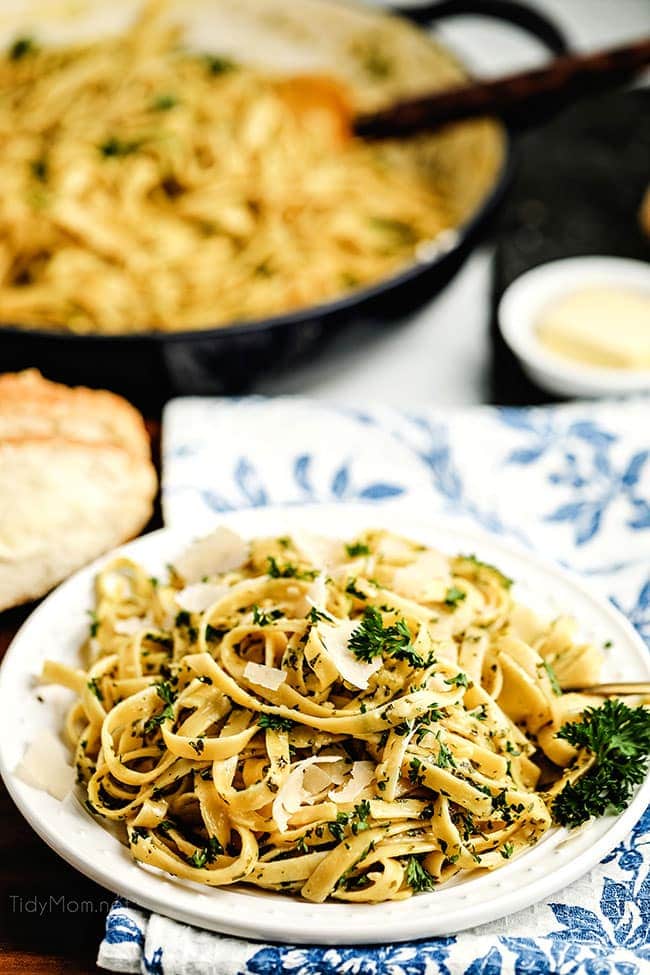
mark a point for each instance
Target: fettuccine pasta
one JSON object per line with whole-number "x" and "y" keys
{"x": 357, "y": 721}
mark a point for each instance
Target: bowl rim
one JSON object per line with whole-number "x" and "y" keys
{"x": 522, "y": 300}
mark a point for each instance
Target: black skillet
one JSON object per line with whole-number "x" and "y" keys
{"x": 151, "y": 367}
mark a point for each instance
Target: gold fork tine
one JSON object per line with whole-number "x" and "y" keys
{"x": 614, "y": 689}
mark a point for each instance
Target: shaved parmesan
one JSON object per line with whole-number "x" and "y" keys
{"x": 45, "y": 766}
{"x": 362, "y": 775}
{"x": 425, "y": 580}
{"x": 200, "y": 596}
{"x": 131, "y": 625}
{"x": 318, "y": 549}
{"x": 294, "y": 792}
{"x": 316, "y": 594}
{"x": 335, "y": 640}
{"x": 220, "y": 551}
{"x": 263, "y": 676}
{"x": 315, "y": 780}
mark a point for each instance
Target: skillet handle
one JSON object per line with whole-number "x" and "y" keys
{"x": 510, "y": 11}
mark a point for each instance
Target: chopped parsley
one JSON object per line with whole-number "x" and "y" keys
{"x": 213, "y": 633}
{"x": 453, "y": 596}
{"x": 206, "y": 854}
{"x": 619, "y": 739}
{"x": 182, "y": 618}
{"x": 21, "y": 47}
{"x": 477, "y": 563}
{"x": 319, "y": 615}
{"x": 95, "y": 688}
{"x": 337, "y": 828}
{"x": 288, "y": 570}
{"x": 167, "y": 696}
{"x": 263, "y": 617}
{"x": 39, "y": 169}
{"x": 113, "y": 147}
{"x": 355, "y": 549}
{"x": 352, "y": 590}
{"x": 360, "y": 817}
{"x": 445, "y": 758}
{"x": 415, "y": 775}
{"x": 507, "y": 850}
{"x": 274, "y": 722}
{"x": 219, "y": 64}
{"x": 94, "y": 622}
{"x": 555, "y": 686}
{"x": 164, "y": 102}
{"x": 460, "y": 680}
{"x": 418, "y": 877}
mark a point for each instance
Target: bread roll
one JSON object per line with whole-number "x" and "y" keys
{"x": 76, "y": 479}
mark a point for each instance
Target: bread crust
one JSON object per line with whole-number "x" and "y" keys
{"x": 31, "y": 404}
{"x": 76, "y": 480}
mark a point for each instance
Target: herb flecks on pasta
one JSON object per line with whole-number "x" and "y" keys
{"x": 150, "y": 187}
{"x": 257, "y": 718}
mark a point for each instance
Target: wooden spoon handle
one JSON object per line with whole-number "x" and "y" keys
{"x": 518, "y": 99}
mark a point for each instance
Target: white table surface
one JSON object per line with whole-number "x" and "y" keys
{"x": 440, "y": 353}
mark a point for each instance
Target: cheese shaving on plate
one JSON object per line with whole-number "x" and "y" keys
{"x": 200, "y": 596}
{"x": 294, "y": 792}
{"x": 269, "y": 677}
{"x": 45, "y": 766}
{"x": 221, "y": 551}
{"x": 335, "y": 639}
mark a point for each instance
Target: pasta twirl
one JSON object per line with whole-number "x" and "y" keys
{"x": 357, "y": 721}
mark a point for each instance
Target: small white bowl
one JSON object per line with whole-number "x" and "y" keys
{"x": 524, "y": 301}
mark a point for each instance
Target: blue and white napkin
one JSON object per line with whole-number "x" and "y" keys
{"x": 572, "y": 482}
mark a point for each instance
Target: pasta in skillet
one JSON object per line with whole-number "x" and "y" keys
{"x": 358, "y": 721}
{"x": 150, "y": 187}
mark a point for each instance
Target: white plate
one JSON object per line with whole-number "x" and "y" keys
{"x": 56, "y": 629}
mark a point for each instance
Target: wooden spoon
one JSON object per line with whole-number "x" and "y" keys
{"x": 518, "y": 99}
{"x": 324, "y": 104}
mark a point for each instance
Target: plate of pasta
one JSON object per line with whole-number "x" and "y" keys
{"x": 305, "y": 727}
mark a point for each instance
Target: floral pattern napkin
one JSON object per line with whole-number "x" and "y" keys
{"x": 571, "y": 482}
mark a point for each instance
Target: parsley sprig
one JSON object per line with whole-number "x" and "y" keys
{"x": 372, "y": 639}
{"x": 619, "y": 738}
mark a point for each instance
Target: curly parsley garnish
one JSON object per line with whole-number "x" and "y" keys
{"x": 372, "y": 639}
{"x": 619, "y": 739}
